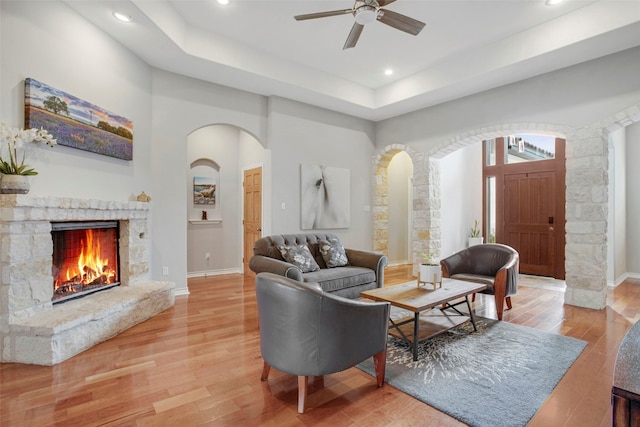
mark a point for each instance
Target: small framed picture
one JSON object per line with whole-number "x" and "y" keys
{"x": 204, "y": 190}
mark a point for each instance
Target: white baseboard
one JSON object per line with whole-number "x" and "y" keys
{"x": 622, "y": 278}
{"x": 397, "y": 263}
{"x": 208, "y": 273}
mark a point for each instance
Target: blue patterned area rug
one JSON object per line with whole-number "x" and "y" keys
{"x": 497, "y": 376}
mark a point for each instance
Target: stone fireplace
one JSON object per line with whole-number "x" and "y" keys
{"x": 33, "y": 329}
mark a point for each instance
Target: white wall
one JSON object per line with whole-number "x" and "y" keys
{"x": 302, "y": 134}
{"x": 617, "y": 226}
{"x": 573, "y": 96}
{"x": 41, "y": 40}
{"x": 461, "y": 187}
{"x": 182, "y": 105}
{"x": 633, "y": 199}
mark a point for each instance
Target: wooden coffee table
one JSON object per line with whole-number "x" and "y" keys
{"x": 418, "y": 299}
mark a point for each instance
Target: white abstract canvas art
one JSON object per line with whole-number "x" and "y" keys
{"x": 325, "y": 197}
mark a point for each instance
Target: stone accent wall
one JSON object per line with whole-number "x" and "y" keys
{"x": 586, "y": 198}
{"x": 32, "y": 329}
{"x": 587, "y": 209}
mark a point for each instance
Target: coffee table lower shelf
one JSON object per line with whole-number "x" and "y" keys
{"x": 437, "y": 306}
{"x": 414, "y": 329}
{"x": 429, "y": 326}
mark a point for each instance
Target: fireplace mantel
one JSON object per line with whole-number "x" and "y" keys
{"x": 32, "y": 329}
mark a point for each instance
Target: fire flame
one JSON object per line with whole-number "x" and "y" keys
{"x": 91, "y": 268}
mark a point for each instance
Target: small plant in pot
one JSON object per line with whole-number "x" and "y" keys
{"x": 474, "y": 235}
{"x": 430, "y": 271}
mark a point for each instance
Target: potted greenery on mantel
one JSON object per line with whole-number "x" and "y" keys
{"x": 430, "y": 271}
{"x": 474, "y": 235}
{"x": 13, "y": 170}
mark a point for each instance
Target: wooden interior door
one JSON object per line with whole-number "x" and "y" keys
{"x": 252, "y": 220}
{"x": 529, "y": 220}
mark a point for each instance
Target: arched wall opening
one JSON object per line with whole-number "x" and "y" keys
{"x": 217, "y": 155}
{"x": 400, "y": 184}
{"x": 587, "y": 190}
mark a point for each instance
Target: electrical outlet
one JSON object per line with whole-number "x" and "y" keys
{"x": 207, "y": 256}
{"x": 165, "y": 271}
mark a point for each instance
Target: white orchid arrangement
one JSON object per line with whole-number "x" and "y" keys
{"x": 13, "y": 139}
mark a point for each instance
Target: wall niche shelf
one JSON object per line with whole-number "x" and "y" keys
{"x": 205, "y": 221}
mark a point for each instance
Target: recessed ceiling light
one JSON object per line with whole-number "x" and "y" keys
{"x": 388, "y": 72}
{"x": 553, "y": 2}
{"x": 223, "y": 2}
{"x": 123, "y": 17}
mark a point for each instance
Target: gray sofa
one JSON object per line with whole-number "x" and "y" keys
{"x": 364, "y": 269}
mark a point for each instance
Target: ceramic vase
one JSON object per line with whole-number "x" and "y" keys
{"x": 476, "y": 241}
{"x": 430, "y": 274}
{"x": 14, "y": 184}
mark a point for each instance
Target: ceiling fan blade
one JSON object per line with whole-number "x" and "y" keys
{"x": 322, "y": 14}
{"x": 383, "y": 3}
{"x": 401, "y": 22}
{"x": 353, "y": 37}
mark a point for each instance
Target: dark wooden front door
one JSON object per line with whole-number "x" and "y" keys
{"x": 530, "y": 208}
{"x": 529, "y": 220}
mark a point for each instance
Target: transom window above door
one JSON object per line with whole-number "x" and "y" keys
{"x": 522, "y": 148}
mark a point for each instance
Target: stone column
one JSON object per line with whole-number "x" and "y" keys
{"x": 586, "y": 213}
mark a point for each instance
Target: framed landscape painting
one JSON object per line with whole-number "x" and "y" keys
{"x": 77, "y": 123}
{"x": 204, "y": 190}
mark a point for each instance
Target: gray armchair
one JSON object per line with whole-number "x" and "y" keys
{"x": 492, "y": 264}
{"x": 305, "y": 331}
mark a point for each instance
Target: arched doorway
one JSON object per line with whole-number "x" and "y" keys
{"x": 217, "y": 154}
{"x": 400, "y": 185}
{"x": 420, "y": 214}
{"x": 586, "y": 197}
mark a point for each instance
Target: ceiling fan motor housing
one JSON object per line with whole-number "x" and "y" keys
{"x": 366, "y": 11}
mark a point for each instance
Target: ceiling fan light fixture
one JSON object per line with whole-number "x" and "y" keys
{"x": 365, "y": 14}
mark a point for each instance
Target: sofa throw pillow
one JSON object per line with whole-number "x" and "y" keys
{"x": 333, "y": 252}
{"x": 300, "y": 256}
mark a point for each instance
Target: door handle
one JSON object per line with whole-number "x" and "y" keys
{"x": 550, "y": 228}
{"x": 259, "y": 229}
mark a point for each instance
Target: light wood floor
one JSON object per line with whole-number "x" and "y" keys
{"x": 199, "y": 364}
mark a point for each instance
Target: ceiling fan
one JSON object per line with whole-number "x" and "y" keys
{"x": 367, "y": 11}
